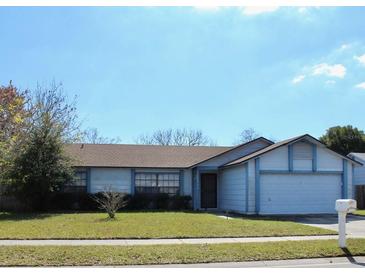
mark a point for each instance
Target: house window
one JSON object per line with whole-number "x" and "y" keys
{"x": 79, "y": 182}
{"x": 157, "y": 183}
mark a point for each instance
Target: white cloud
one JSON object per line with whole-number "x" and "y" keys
{"x": 361, "y": 59}
{"x": 252, "y": 10}
{"x": 298, "y": 79}
{"x": 337, "y": 70}
{"x": 361, "y": 85}
{"x": 345, "y": 46}
{"x": 330, "y": 82}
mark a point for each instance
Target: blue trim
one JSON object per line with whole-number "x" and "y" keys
{"x": 314, "y": 157}
{"x": 88, "y": 182}
{"x": 208, "y": 168}
{"x": 299, "y": 172}
{"x": 133, "y": 176}
{"x": 290, "y": 157}
{"x": 156, "y": 172}
{"x": 345, "y": 180}
{"x": 181, "y": 184}
{"x": 246, "y": 177}
{"x": 257, "y": 185}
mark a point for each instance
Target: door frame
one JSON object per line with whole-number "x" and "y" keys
{"x": 216, "y": 192}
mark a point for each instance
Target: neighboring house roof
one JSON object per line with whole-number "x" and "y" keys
{"x": 358, "y": 155}
{"x": 280, "y": 144}
{"x": 141, "y": 156}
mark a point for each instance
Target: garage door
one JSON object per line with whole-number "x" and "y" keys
{"x": 299, "y": 194}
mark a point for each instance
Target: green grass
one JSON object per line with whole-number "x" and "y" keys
{"x": 173, "y": 254}
{"x": 144, "y": 225}
{"x": 360, "y": 212}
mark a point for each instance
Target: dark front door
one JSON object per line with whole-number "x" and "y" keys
{"x": 208, "y": 190}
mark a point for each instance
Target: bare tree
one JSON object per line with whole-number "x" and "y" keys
{"x": 247, "y": 135}
{"x": 176, "y": 137}
{"x": 110, "y": 201}
{"x": 92, "y": 136}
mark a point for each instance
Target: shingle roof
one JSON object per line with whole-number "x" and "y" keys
{"x": 153, "y": 156}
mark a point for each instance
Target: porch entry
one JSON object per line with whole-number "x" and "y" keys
{"x": 208, "y": 192}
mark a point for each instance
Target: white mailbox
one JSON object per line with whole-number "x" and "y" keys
{"x": 343, "y": 206}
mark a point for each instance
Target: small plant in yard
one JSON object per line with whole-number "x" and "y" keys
{"x": 110, "y": 201}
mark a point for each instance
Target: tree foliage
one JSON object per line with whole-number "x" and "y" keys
{"x": 344, "y": 139}
{"x": 175, "y": 137}
{"x": 14, "y": 114}
{"x": 41, "y": 165}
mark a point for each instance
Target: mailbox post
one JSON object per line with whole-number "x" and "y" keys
{"x": 343, "y": 206}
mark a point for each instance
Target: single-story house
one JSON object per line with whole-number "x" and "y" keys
{"x": 359, "y": 179}
{"x": 295, "y": 176}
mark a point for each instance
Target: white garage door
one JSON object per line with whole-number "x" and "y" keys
{"x": 299, "y": 194}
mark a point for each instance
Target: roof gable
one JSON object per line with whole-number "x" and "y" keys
{"x": 306, "y": 137}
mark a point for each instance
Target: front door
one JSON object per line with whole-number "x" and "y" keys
{"x": 208, "y": 190}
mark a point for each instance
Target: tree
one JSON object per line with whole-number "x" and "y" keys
{"x": 110, "y": 201}
{"x": 344, "y": 139}
{"x": 41, "y": 165}
{"x": 13, "y": 123}
{"x": 92, "y": 136}
{"x": 175, "y": 137}
{"x": 247, "y": 135}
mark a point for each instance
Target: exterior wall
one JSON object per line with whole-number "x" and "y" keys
{"x": 118, "y": 178}
{"x": 275, "y": 160}
{"x": 327, "y": 161}
{"x": 302, "y": 156}
{"x": 350, "y": 193}
{"x": 235, "y": 154}
{"x": 188, "y": 182}
{"x": 232, "y": 187}
{"x": 359, "y": 173}
{"x": 251, "y": 187}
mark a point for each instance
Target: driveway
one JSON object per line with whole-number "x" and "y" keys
{"x": 355, "y": 224}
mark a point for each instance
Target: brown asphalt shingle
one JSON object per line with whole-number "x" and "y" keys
{"x": 142, "y": 156}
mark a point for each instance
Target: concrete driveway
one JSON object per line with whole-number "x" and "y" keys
{"x": 355, "y": 224}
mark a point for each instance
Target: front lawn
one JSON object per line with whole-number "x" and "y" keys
{"x": 360, "y": 212}
{"x": 144, "y": 225}
{"x": 173, "y": 254}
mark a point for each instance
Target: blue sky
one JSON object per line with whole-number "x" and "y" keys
{"x": 282, "y": 71}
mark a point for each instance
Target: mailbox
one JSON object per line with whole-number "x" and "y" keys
{"x": 345, "y": 205}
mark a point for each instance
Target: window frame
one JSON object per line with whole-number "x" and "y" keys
{"x": 156, "y": 180}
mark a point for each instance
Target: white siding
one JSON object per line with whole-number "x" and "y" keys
{"x": 359, "y": 173}
{"x": 188, "y": 182}
{"x": 232, "y": 189}
{"x": 328, "y": 161}
{"x": 302, "y": 156}
{"x": 299, "y": 194}
{"x": 251, "y": 186}
{"x": 275, "y": 160}
{"x": 349, "y": 180}
{"x": 119, "y": 179}
{"x": 235, "y": 154}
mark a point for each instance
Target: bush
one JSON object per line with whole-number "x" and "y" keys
{"x": 82, "y": 201}
{"x": 159, "y": 201}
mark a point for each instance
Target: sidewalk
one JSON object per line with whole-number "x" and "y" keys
{"x": 130, "y": 242}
